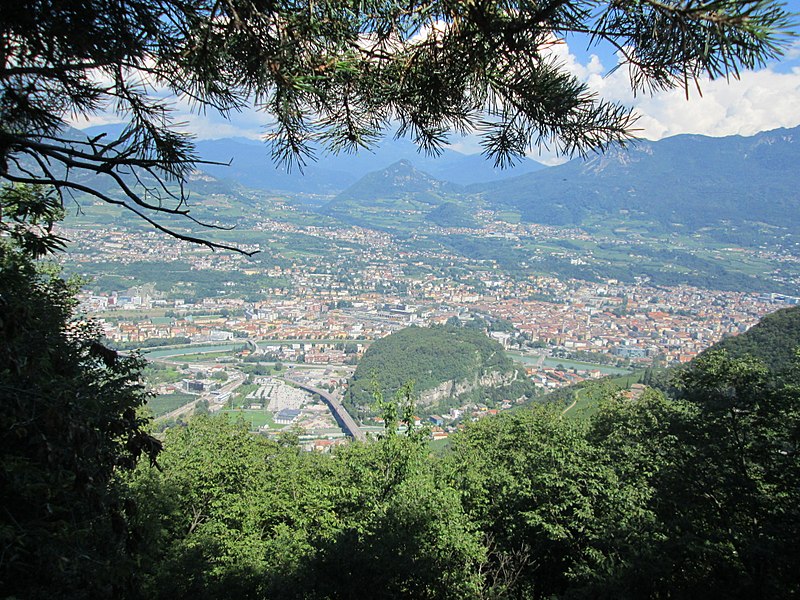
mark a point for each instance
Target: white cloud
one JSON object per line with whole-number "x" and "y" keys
{"x": 560, "y": 51}
{"x": 206, "y": 127}
{"x": 468, "y": 144}
{"x": 210, "y": 125}
{"x": 85, "y": 121}
{"x": 203, "y": 124}
{"x": 793, "y": 51}
{"x": 758, "y": 101}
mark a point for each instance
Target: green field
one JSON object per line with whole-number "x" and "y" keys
{"x": 161, "y": 405}
{"x": 239, "y": 398}
{"x": 439, "y": 446}
{"x": 584, "y": 405}
{"x": 566, "y": 363}
{"x": 586, "y": 399}
{"x": 184, "y": 352}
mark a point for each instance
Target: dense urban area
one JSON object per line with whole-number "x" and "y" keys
{"x": 310, "y": 313}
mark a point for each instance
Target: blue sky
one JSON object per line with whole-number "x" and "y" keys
{"x": 760, "y": 100}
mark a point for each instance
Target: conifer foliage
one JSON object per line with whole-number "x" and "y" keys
{"x": 68, "y": 427}
{"x": 336, "y": 75}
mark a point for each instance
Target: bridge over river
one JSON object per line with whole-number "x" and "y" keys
{"x": 340, "y": 414}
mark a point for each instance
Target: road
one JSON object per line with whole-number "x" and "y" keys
{"x": 342, "y": 416}
{"x": 339, "y": 412}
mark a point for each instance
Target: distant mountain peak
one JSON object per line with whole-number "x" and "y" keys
{"x": 693, "y": 181}
{"x": 402, "y": 168}
{"x": 252, "y": 166}
{"x": 400, "y": 188}
{"x": 617, "y": 156}
{"x": 779, "y": 136}
{"x": 399, "y": 180}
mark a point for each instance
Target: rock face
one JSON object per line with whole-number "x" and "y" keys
{"x": 456, "y": 389}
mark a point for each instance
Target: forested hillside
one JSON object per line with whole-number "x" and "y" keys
{"x": 649, "y": 499}
{"x": 431, "y": 357}
{"x": 394, "y": 197}
{"x": 775, "y": 340}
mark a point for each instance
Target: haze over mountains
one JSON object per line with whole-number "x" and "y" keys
{"x": 689, "y": 180}
{"x": 248, "y": 162}
{"x": 252, "y": 165}
{"x": 740, "y": 189}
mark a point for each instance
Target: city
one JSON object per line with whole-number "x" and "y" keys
{"x": 324, "y": 309}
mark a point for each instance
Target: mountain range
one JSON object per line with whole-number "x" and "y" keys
{"x": 736, "y": 189}
{"x": 690, "y": 181}
{"x": 249, "y": 163}
{"x": 252, "y": 165}
{"x": 739, "y": 188}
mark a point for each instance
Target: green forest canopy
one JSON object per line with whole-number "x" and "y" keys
{"x": 653, "y": 498}
{"x": 428, "y": 356}
{"x": 775, "y": 340}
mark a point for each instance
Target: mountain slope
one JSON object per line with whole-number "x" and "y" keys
{"x": 396, "y": 197}
{"x": 775, "y": 340}
{"x": 689, "y": 181}
{"x": 249, "y": 163}
{"x": 474, "y": 168}
{"x": 451, "y": 214}
{"x": 399, "y": 181}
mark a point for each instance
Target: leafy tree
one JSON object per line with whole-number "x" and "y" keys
{"x": 335, "y": 74}
{"x": 212, "y": 511}
{"x": 406, "y": 534}
{"x": 233, "y": 514}
{"x": 642, "y": 442}
{"x": 69, "y": 425}
{"x": 718, "y": 477}
{"x": 220, "y": 376}
{"x": 743, "y": 482}
{"x": 453, "y": 322}
{"x": 399, "y": 513}
{"x": 547, "y": 501}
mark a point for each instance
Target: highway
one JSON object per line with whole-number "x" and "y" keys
{"x": 342, "y": 416}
